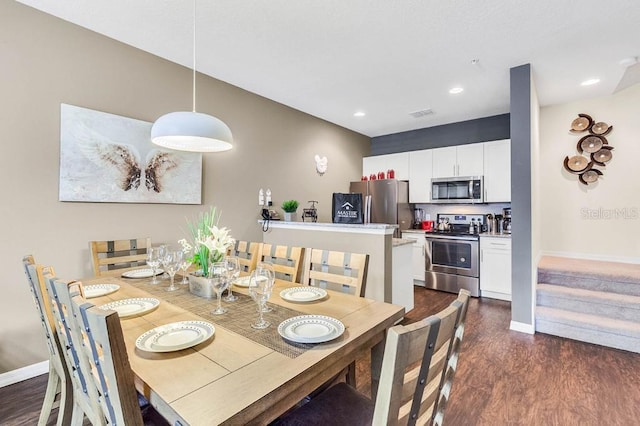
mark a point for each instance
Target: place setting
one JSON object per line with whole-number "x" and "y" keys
{"x": 128, "y": 308}
{"x": 175, "y": 336}
{"x": 98, "y": 290}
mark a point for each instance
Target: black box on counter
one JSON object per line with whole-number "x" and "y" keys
{"x": 347, "y": 208}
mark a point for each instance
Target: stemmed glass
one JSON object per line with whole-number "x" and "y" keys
{"x": 186, "y": 262}
{"x": 153, "y": 260}
{"x": 172, "y": 263}
{"x": 260, "y": 285}
{"x": 233, "y": 268}
{"x": 163, "y": 250}
{"x": 268, "y": 271}
{"x": 219, "y": 280}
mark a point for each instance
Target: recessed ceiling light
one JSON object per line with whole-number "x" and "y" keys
{"x": 456, "y": 90}
{"x": 590, "y": 82}
{"x": 359, "y": 114}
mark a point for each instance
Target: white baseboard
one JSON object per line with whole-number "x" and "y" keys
{"x": 24, "y": 373}
{"x": 522, "y": 327}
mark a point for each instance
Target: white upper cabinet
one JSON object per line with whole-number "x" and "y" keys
{"x": 470, "y": 161}
{"x": 462, "y": 160}
{"x": 420, "y": 173}
{"x": 497, "y": 171}
{"x": 398, "y": 162}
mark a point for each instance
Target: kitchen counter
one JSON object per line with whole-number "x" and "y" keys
{"x": 414, "y": 231}
{"x": 493, "y": 235}
{"x": 397, "y": 242}
{"x": 369, "y": 228}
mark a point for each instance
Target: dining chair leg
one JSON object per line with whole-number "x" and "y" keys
{"x": 65, "y": 409}
{"x": 49, "y": 396}
{"x": 351, "y": 375}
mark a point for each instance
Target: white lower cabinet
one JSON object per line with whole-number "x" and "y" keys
{"x": 495, "y": 267}
{"x": 417, "y": 256}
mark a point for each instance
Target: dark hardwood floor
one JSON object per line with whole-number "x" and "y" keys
{"x": 504, "y": 377}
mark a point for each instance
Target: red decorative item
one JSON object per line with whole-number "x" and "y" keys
{"x": 380, "y": 175}
{"x": 372, "y": 176}
{"x": 391, "y": 174}
{"x": 364, "y": 178}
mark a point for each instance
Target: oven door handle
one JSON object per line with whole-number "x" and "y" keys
{"x": 452, "y": 237}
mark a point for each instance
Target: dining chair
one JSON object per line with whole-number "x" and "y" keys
{"x": 336, "y": 270}
{"x": 59, "y": 389}
{"x": 247, "y": 254}
{"x": 118, "y": 256}
{"x": 106, "y": 352}
{"x": 85, "y": 396}
{"x": 287, "y": 260}
{"x": 418, "y": 367}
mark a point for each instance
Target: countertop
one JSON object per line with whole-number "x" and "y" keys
{"x": 401, "y": 242}
{"x": 484, "y": 234}
{"x": 369, "y": 228}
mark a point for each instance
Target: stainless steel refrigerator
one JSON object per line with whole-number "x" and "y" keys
{"x": 389, "y": 202}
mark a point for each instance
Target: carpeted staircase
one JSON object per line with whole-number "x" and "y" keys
{"x": 591, "y": 301}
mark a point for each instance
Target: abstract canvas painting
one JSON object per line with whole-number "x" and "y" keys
{"x": 108, "y": 158}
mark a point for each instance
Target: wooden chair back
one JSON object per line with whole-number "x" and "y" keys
{"x": 247, "y": 254}
{"x": 418, "y": 359}
{"x": 287, "y": 260}
{"x": 336, "y": 270}
{"x": 85, "y": 396}
{"x": 118, "y": 256}
{"x": 106, "y": 352}
{"x": 59, "y": 381}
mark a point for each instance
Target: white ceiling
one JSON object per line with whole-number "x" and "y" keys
{"x": 388, "y": 58}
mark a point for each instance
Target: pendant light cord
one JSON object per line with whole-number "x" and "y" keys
{"x": 194, "y": 55}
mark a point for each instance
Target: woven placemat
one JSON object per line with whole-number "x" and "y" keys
{"x": 238, "y": 319}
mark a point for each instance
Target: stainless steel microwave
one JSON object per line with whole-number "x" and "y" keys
{"x": 460, "y": 190}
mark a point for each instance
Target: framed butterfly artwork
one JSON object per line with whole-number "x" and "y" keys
{"x": 108, "y": 158}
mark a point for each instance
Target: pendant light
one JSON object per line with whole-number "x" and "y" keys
{"x": 191, "y": 131}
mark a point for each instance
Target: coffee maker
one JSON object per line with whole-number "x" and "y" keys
{"x": 506, "y": 223}
{"x": 418, "y": 217}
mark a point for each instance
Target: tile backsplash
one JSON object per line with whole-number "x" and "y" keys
{"x": 434, "y": 209}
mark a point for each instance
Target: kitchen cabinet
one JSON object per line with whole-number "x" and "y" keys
{"x": 495, "y": 267}
{"x": 497, "y": 171}
{"x": 420, "y": 174}
{"x": 417, "y": 256}
{"x": 461, "y": 160}
{"x": 399, "y": 162}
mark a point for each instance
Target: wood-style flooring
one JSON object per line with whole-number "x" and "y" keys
{"x": 504, "y": 377}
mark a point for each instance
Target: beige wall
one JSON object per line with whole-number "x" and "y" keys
{"x": 581, "y": 221}
{"x": 45, "y": 62}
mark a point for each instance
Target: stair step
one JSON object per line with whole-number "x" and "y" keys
{"x": 595, "y": 329}
{"x": 623, "y": 278}
{"x": 612, "y": 305}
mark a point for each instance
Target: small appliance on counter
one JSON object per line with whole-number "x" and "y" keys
{"x": 506, "y": 225}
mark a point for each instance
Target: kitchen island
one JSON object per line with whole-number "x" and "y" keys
{"x": 374, "y": 239}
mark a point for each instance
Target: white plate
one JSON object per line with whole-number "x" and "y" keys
{"x": 132, "y": 307}
{"x": 242, "y": 282}
{"x": 311, "y": 329}
{"x": 97, "y": 290}
{"x": 142, "y": 273}
{"x": 303, "y": 294}
{"x": 175, "y": 336}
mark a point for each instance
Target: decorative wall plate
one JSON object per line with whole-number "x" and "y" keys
{"x": 602, "y": 156}
{"x": 601, "y": 128}
{"x": 582, "y": 123}
{"x": 576, "y": 164}
{"x": 590, "y": 176}
{"x": 591, "y": 143}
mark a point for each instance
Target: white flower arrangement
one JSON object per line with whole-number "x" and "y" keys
{"x": 210, "y": 242}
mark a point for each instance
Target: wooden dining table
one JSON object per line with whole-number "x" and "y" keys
{"x": 232, "y": 378}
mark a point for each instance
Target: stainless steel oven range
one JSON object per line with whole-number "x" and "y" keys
{"x": 453, "y": 255}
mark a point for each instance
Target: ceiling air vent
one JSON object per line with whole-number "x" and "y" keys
{"x": 421, "y": 113}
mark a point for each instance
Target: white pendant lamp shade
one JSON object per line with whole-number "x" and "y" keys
{"x": 191, "y": 131}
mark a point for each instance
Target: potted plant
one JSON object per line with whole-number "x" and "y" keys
{"x": 290, "y": 207}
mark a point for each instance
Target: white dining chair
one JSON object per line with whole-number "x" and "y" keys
{"x": 59, "y": 392}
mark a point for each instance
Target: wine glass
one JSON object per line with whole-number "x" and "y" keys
{"x": 186, "y": 263}
{"x": 153, "y": 260}
{"x": 163, "y": 249}
{"x": 260, "y": 285}
{"x": 172, "y": 263}
{"x": 268, "y": 271}
{"x": 233, "y": 268}
{"x": 219, "y": 280}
